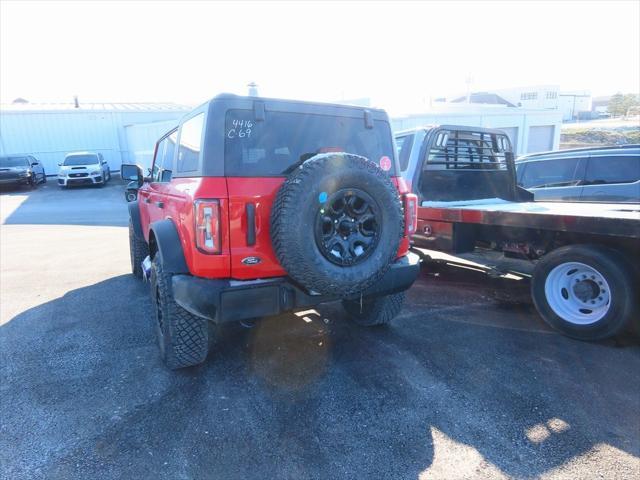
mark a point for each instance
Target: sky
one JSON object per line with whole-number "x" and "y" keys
{"x": 398, "y": 54}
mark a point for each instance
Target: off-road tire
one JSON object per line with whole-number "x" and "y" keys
{"x": 138, "y": 251}
{"x": 294, "y": 214}
{"x": 616, "y": 271}
{"x": 183, "y": 338}
{"x": 374, "y": 311}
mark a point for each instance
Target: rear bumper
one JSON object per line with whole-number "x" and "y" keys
{"x": 230, "y": 300}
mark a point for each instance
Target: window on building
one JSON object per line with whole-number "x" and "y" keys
{"x": 190, "y": 144}
{"x": 529, "y": 96}
{"x": 551, "y": 173}
{"x": 552, "y": 95}
{"x": 612, "y": 169}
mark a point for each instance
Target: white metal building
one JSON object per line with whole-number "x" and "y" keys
{"x": 575, "y": 105}
{"x": 49, "y": 131}
{"x": 529, "y": 130}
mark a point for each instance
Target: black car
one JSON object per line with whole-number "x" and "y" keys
{"x": 21, "y": 170}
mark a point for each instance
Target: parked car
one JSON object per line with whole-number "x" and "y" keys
{"x": 258, "y": 206}
{"x": 599, "y": 174}
{"x": 21, "y": 170}
{"x": 83, "y": 168}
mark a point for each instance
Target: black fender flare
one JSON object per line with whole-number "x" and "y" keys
{"x": 168, "y": 246}
{"x": 134, "y": 214}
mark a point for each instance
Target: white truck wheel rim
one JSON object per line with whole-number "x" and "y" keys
{"x": 577, "y": 293}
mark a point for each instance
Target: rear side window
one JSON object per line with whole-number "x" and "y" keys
{"x": 552, "y": 173}
{"x": 282, "y": 140}
{"x": 190, "y": 144}
{"x": 613, "y": 169}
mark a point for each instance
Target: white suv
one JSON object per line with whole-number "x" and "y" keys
{"x": 83, "y": 168}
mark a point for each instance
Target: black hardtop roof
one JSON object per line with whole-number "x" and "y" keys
{"x": 576, "y": 151}
{"x": 299, "y": 106}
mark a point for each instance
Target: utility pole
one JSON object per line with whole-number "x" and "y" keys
{"x": 468, "y": 80}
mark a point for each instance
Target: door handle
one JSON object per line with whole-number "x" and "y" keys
{"x": 159, "y": 204}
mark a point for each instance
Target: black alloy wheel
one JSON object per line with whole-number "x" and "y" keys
{"x": 347, "y": 227}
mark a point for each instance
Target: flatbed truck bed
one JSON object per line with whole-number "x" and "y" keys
{"x": 619, "y": 220}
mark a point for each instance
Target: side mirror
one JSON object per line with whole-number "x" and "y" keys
{"x": 132, "y": 172}
{"x": 35, "y": 163}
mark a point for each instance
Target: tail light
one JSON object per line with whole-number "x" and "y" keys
{"x": 207, "y": 218}
{"x": 410, "y": 214}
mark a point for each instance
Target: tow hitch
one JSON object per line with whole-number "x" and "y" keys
{"x": 146, "y": 268}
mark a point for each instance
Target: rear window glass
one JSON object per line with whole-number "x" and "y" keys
{"x": 469, "y": 150}
{"x": 81, "y": 160}
{"x": 275, "y": 145}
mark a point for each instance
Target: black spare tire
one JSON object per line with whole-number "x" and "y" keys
{"x": 336, "y": 224}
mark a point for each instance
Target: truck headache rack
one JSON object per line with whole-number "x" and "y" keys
{"x": 470, "y": 150}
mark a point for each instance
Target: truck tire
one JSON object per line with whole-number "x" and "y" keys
{"x": 374, "y": 311}
{"x": 336, "y": 224}
{"x": 584, "y": 291}
{"x": 138, "y": 251}
{"x": 183, "y": 338}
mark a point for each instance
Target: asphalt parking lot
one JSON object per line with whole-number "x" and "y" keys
{"x": 463, "y": 384}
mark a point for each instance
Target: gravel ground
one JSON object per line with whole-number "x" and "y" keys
{"x": 463, "y": 384}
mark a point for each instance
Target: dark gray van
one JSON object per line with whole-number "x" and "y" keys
{"x": 600, "y": 174}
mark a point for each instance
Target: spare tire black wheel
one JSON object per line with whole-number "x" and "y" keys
{"x": 336, "y": 224}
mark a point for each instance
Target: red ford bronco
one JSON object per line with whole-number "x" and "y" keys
{"x": 256, "y": 206}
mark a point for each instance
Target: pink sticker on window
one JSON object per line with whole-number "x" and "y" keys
{"x": 385, "y": 163}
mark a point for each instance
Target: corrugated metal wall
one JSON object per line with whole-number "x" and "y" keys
{"x": 50, "y": 135}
